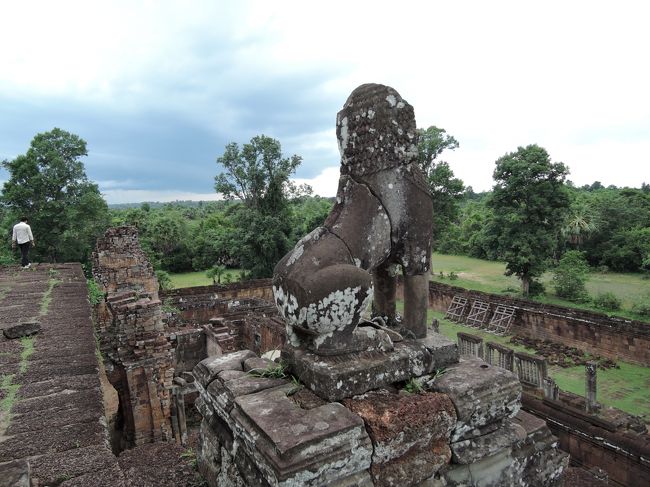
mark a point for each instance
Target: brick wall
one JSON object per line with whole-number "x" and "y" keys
{"x": 612, "y": 337}
{"x": 199, "y": 304}
{"x": 623, "y": 455}
{"x": 189, "y": 346}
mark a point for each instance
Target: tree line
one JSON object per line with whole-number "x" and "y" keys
{"x": 532, "y": 216}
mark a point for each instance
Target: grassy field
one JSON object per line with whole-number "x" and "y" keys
{"x": 487, "y": 276}
{"x": 191, "y": 279}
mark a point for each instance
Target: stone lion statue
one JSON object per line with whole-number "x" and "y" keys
{"x": 382, "y": 219}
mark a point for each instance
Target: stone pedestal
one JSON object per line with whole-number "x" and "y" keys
{"x": 339, "y": 376}
{"x": 463, "y": 429}
{"x": 255, "y": 433}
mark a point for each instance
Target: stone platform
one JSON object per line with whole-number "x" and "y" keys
{"x": 52, "y": 425}
{"x": 463, "y": 429}
{"x": 338, "y": 376}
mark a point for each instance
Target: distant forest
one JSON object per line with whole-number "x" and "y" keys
{"x": 610, "y": 225}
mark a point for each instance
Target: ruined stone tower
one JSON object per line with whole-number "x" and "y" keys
{"x": 137, "y": 356}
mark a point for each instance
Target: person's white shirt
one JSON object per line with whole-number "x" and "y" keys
{"x": 22, "y": 233}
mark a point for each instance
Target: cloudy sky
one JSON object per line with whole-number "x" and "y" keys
{"x": 157, "y": 89}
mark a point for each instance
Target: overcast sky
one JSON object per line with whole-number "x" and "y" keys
{"x": 157, "y": 89}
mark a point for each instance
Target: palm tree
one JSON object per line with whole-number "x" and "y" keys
{"x": 579, "y": 224}
{"x": 215, "y": 273}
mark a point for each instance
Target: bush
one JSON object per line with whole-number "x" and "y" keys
{"x": 607, "y": 301}
{"x": 164, "y": 280}
{"x": 570, "y": 276}
{"x": 642, "y": 309}
{"x": 95, "y": 294}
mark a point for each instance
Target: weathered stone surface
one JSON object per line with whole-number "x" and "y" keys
{"x": 443, "y": 351}
{"x": 360, "y": 479}
{"x": 409, "y": 433}
{"x": 337, "y": 377}
{"x": 208, "y": 454}
{"x": 294, "y": 446}
{"x": 415, "y": 466}
{"x": 482, "y": 394}
{"x": 258, "y": 364}
{"x": 473, "y": 450}
{"x": 536, "y": 454}
{"x": 50, "y": 468}
{"x": 398, "y": 423}
{"x": 224, "y": 393}
{"x": 532, "y": 460}
{"x": 495, "y": 471}
{"x": 368, "y": 238}
{"x": 22, "y": 329}
{"x": 110, "y": 477}
{"x": 207, "y": 370}
{"x": 383, "y": 215}
{"x": 15, "y": 474}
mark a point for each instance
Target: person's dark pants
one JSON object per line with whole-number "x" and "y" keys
{"x": 24, "y": 250}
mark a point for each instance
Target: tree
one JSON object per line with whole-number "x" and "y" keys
{"x": 165, "y": 238}
{"x": 447, "y": 190}
{"x": 431, "y": 143}
{"x": 619, "y": 213}
{"x": 49, "y": 185}
{"x": 579, "y": 224}
{"x": 570, "y": 276}
{"x": 258, "y": 175}
{"x": 529, "y": 202}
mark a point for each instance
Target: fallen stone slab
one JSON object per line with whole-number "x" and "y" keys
{"x": 15, "y": 474}
{"x": 207, "y": 370}
{"x": 24, "y": 329}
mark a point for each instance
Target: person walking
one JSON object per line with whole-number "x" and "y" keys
{"x": 22, "y": 236}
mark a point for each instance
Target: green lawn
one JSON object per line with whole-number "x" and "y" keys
{"x": 487, "y": 276}
{"x": 191, "y": 279}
